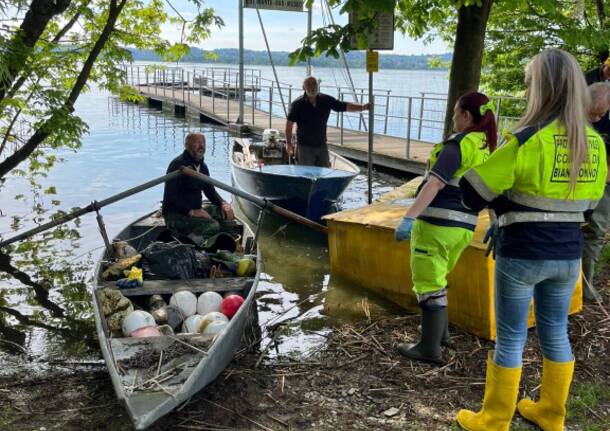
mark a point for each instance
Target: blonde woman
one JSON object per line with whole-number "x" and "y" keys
{"x": 540, "y": 183}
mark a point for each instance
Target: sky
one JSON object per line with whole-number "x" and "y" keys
{"x": 284, "y": 29}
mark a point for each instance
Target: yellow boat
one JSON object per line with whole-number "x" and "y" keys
{"x": 363, "y": 250}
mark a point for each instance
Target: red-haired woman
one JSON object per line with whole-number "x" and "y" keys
{"x": 439, "y": 225}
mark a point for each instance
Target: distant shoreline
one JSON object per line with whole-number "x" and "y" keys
{"x": 355, "y": 59}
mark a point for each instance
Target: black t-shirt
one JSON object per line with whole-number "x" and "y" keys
{"x": 183, "y": 193}
{"x": 448, "y": 162}
{"x": 311, "y": 120}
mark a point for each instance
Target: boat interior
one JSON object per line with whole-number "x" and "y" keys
{"x": 255, "y": 155}
{"x": 152, "y": 368}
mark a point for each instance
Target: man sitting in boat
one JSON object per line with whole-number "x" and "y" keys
{"x": 182, "y": 202}
{"x": 311, "y": 112}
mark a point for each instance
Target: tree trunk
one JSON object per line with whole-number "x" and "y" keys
{"x": 465, "y": 72}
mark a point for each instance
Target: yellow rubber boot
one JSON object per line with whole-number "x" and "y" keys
{"x": 550, "y": 411}
{"x": 501, "y": 390}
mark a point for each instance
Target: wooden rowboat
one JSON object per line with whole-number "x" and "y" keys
{"x": 153, "y": 375}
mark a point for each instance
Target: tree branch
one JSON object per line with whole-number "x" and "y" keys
{"x": 42, "y": 294}
{"x": 43, "y": 131}
{"x": 19, "y": 47}
{"x": 24, "y": 75}
{"x": 25, "y": 320}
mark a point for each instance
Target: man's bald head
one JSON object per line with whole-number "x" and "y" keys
{"x": 600, "y": 100}
{"x": 310, "y": 85}
{"x": 194, "y": 144}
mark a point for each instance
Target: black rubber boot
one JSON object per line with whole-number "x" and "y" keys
{"x": 445, "y": 340}
{"x": 434, "y": 324}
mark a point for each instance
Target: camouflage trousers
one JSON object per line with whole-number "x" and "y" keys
{"x": 202, "y": 231}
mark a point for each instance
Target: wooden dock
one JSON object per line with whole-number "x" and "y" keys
{"x": 388, "y": 152}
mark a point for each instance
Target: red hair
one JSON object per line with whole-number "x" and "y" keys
{"x": 486, "y": 123}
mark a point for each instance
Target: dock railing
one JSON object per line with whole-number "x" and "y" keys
{"x": 410, "y": 118}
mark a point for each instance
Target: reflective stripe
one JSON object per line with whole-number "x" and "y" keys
{"x": 549, "y": 204}
{"x": 452, "y": 215}
{"x": 455, "y": 181}
{"x": 433, "y": 298}
{"x": 522, "y": 217}
{"x": 477, "y": 183}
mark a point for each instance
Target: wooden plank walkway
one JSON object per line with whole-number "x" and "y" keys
{"x": 389, "y": 151}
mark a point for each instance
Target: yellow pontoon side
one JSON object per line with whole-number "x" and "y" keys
{"x": 363, "y": 250}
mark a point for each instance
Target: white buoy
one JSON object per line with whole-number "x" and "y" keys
{"x": 186, "y": 301}
{"x": 215, "y": 327}
{"x": 192, "y": 324}
{"x": 135, "y": 320}
{"x": 208, "y": 302}
{"x": 214, "y": 316}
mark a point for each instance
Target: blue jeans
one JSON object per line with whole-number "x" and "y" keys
{"x": 551, "y": 283}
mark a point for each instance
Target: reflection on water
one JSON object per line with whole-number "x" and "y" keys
{"x": 298, "y": 300}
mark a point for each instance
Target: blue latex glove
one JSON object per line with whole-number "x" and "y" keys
{"x": 491, "y": 236}
{"x": 403, "y": 230}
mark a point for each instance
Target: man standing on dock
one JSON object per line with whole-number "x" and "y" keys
{"x": 310, "y": 112}
{"x": 182, "y": 201}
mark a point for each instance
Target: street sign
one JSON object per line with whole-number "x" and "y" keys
{"x": 383, "y": 36}
{"x": 288, "y": 5}
{"x": 372, "y": 61}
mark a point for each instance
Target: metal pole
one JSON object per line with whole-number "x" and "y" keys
{"x": 338, "y": 98}
{"x": 346, "y": 65}
{"x": 173, "y": 80}
{"x": 254, "y": 96}
{"x": 213, "y": 93}
{"x": 421, "y": 116}
{"x": 200, "y": 96}
{"x": 188, "y": 85}
{"x": 241, "y": 61}
{"x": 227, "y": 87}
{"x": 409, "y": 113}
{"x": 260, "y": 20}
{"x": 261, "y": 202}
{"x": 387, "y": 108}
{"x": 371, "y": 129}
{"x": 341, "y": 128}
{"x": 91, "y": 207}
{"x": 309, "y": 14}
{"x": 270, "y": 103}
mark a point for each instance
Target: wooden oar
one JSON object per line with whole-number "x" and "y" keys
{"x": 262, "y": 203}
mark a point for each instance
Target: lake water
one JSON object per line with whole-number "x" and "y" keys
{"x": 128, "y": 145}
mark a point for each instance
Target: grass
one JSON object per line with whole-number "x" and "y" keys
{"x": 583, "y": 406}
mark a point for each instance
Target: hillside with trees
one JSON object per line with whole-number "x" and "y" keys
{"x": 281, "y": 58}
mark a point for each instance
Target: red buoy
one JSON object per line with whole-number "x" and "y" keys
{"x": 230, "y": 305}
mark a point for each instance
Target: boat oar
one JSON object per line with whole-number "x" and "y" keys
{"x": 263, "y": 203}
{"x": 93, "y": 206}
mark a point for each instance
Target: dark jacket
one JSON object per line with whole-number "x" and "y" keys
{"x": 183, "y": 194}
{"x": 594, "y": 75}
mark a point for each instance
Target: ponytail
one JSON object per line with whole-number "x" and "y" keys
{"x": 481, "y": 109}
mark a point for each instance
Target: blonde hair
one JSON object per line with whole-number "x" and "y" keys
{"x": 557, "y": 89}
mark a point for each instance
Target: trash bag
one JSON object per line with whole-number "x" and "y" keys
{"x": 174, "y": 261}
{"x": 204, "y": 263}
